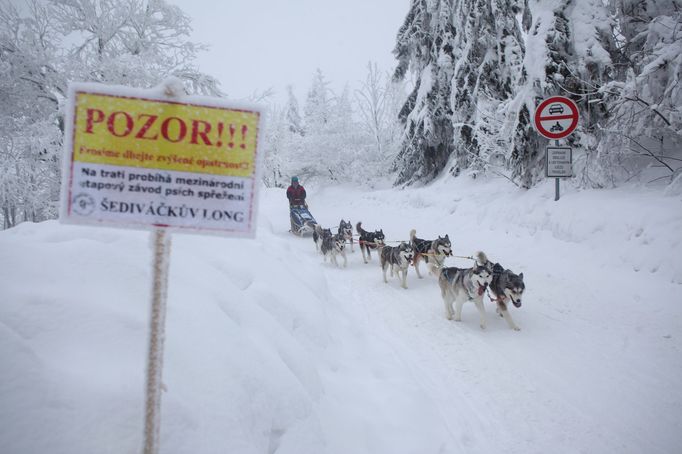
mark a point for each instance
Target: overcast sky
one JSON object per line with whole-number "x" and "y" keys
{"x": 261, "y": 44}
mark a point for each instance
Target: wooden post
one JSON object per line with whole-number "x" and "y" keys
{"x": 157, "y": 322}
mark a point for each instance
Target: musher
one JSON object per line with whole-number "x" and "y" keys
{"x": 296, "y": 194}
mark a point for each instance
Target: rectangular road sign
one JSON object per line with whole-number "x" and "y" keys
{"x": 559, "y": 162}
{"x": 139, "y": 159}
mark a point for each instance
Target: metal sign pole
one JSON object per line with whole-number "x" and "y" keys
{"x": 556, "y": 180}
{"x": 157, "y": 324}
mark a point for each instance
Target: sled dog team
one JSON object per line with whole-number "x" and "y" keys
{"x": 457, "y": 285}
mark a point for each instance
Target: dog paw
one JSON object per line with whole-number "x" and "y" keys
{"x": 516, "y": 328}
{"x": 483, "y": 326}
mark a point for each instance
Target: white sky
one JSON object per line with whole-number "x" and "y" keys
{"x": 261, "y": 44}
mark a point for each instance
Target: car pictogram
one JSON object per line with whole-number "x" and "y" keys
{"x": 556, "y": 108}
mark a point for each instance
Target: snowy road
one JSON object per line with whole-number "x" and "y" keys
{"x": 594, "y": 369}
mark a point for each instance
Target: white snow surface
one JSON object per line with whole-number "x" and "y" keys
{"x": 270, "y": 350}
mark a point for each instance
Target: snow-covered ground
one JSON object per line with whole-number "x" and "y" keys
{"x": 270, "y": 350}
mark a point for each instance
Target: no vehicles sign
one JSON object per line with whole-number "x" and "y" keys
{"x": 556, "y": 117}
{"x": 138, "y": 158}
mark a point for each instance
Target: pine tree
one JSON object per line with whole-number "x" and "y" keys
{"x": 293, "y": 115}
{"x": 317, "y": 108}
{"x": 424, "y": 46}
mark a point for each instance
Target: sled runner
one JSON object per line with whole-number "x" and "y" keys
{"x": 302, "y": 222}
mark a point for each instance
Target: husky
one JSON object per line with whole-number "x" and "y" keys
{"x": 334, "y": 246}
{"x": 433, "y": 252}
{"x": 347, "y": 229}
{"x": 460, "y": 285}
{"x": 506, "y": 285}
{"x": 398, "y": 257}
{"x": 319, "y": 234}
{"x": 369, "y": 240}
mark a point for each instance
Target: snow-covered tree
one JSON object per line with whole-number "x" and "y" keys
{"x": 336, "y": 142}
{"x": 317, "y": 109}
{"x": 489, "y": 54}
{"x": 378, "y": 103}
{"x": 293, "y": 115}
{"x": 31, "y": 87}
{"x": 482, "y": 66}
{"x": 49, "y": 43}
{"x": 645, "y": 124}
{"x": 424, "y": 46}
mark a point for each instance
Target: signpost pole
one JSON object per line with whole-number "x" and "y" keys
{"x": 157, "y": 321}
{"x": 556, "y": 180}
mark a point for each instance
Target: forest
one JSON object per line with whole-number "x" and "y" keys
{"x": 459, "y": 101}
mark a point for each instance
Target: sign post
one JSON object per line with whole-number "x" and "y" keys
{"x": 161, "y": 161}
{"x": 556, "y": 118}
{"x": 559, "y": 164}
{"x": 157, "y": 323}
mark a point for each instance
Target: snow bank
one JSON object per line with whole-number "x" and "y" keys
{"x": 260, "y": 357}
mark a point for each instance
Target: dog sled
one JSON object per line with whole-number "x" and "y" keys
{"x": 302, "y": 222}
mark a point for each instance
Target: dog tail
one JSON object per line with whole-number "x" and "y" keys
{"x": 358, "y": 227}
{"x": 481, "y": 258}
{"x": 413, "y": 235}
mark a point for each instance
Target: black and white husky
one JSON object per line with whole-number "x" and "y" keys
{"x": 369, "y": 240}
{"x": 399, "y": 259}
{"x": 433, "y": 252}
{"x": 347, "y": 229}
{"x": 460, "y": 285}
{"x": 334, "y": 246}
{"x": 319, "y": 234}
{"x": 506, "y": 286}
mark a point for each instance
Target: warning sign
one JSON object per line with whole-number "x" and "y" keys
{"x": 133, "y": 158}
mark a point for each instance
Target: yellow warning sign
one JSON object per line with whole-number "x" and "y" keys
{"x": 154, "y": 134}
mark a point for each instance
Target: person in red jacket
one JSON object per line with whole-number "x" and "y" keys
{"x": 296, "y": 193}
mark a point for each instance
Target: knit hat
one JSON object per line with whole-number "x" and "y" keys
{"x": 294, "y": 179}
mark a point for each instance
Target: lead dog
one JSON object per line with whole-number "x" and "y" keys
{"x": 319, "y": 234}
{"x": 506, "y": 285}
{"x": 398, "y": 257}
{"x": 433, "y": 252}
{"x": 369, "y": 240}
{"x": 334, "y": 246}
{"x": 460, "y": 285}
{"x": 347, "y": 229}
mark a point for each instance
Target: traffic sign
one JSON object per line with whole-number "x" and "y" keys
{"x": 559, "y": 162}
{"x": 556, "y": 117}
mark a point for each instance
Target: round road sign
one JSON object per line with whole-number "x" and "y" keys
{"x": 556, "y": 117}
